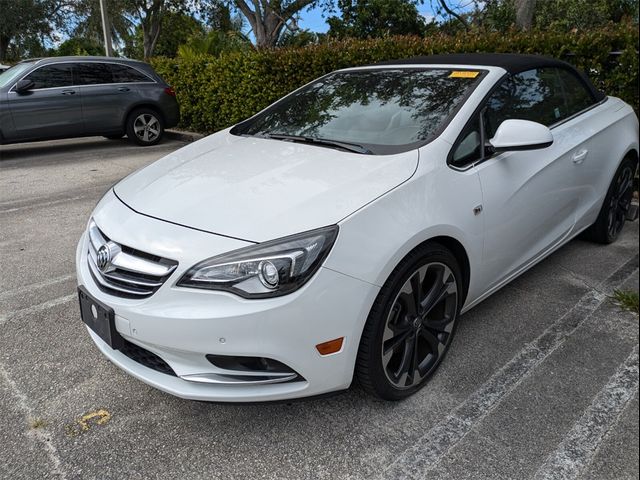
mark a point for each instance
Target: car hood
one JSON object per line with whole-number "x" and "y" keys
{"x": 260, "y": 189}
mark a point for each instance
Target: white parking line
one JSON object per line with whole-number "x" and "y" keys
{"x": 426, "y": 453}
{"x": 39, "y": 434}
{"x": 46, "y": 203}
{"x": 38, "y": 308}
{"x": 30, "y": 287}
{"x": 580, "y": 445}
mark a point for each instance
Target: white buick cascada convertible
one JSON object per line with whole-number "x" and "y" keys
{"x": 340, "y": 233}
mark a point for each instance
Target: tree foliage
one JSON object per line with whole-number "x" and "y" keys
{"x": 376, "y": 18}
{"x": 24, "y": 23}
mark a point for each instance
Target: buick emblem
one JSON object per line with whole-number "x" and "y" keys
{"x": 103, "y": 259}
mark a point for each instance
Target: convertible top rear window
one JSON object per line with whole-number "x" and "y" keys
{"x": 383, "y": 110}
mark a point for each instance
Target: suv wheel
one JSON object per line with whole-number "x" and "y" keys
{"x": 145, "y": 127}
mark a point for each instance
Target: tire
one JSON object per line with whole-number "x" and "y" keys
{"x": 612, "y": 216}
{"x": 114, "y": 137}
{"x": 145, "y": 127}
{"x": 393, "y": 324}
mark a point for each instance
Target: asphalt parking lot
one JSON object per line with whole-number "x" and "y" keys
{"x": 541, "y": 382}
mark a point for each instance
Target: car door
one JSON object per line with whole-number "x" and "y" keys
{"x": 530, "y": 197}
{"x": 51, "y": 109}
{"x": 105, "y": 97}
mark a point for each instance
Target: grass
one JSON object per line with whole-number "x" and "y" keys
{"x": 627, "y": 300}
{"x": 37, "y": 423}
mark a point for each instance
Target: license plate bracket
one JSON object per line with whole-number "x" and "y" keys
{"x": 100, "y": 318}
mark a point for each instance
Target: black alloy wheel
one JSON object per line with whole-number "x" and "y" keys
{"x": 411, "y": 324}
{"x": 613, "y": 213}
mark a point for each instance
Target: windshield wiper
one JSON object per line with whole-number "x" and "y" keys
{"x": 352, "y": 147}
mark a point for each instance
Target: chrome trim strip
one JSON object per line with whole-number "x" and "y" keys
{"x": 232, "y": 379}
{"x": 139, "y": 265}
{"x": 98, "y": 277}
{"x": 137, "y": 282}
{"x": 126, "y": 261}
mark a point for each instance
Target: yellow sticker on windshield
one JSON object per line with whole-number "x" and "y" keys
{"x": 463, "y": 74}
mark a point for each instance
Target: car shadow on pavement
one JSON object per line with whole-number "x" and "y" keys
{"x": 94, "y": 145}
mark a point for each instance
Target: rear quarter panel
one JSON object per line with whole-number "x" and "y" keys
{"x": 614, "y": 133}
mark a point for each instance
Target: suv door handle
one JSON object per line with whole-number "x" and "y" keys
{"x": 579, "y": 157}
{"x": 68, "y": 92}
{"x": 123, "y": 89}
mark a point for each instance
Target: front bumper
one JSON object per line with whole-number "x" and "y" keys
{"x": 183, "y": 325}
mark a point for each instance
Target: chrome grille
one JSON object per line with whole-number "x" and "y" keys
{"x": 123, "y": 271}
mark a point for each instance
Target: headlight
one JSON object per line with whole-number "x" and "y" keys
{"x": 268, "y": 269}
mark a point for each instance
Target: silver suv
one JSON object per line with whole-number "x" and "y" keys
{"x": 63, "y": 97}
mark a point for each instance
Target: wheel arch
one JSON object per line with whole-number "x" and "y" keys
{"x": 461, "y": 256}
{"x": 149, "y": 105}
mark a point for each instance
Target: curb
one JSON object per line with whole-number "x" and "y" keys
{"x": 183, "y": 135}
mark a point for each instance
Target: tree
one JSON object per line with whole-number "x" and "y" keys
{"x": 376, "y": 18}
{"x": 88, "y": 24}
{"x": 268, "y": 18}
{"x": 176, "y": 28}
{"x": 78, "y": 46}
{"x": 562, "y": 15}
{"x": 583, "y": 14}
{"x": 27, "y": 21}
{"x": 524, "y": 13}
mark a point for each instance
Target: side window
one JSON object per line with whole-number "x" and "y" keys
{"x": 577, "y": 97}
{"x": 543, "y": 95}
{"x": 92, "y": 74}
{"x": 125, "y": 74}
{"x": 51, "y": 76}
{"x": 468, "y": 148}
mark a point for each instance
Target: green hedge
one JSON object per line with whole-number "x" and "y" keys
{"x": 216, "y": 92}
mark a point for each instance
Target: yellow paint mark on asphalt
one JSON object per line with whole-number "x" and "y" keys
{"x": 83, "y": 424}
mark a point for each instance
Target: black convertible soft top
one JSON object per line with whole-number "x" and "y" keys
{"x": 511, "y": 62}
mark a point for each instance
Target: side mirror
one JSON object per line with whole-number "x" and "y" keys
{"x": 521, "y": 135}
{"x": 24, "y": 86}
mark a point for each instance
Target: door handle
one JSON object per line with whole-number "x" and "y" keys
{"x": 68, "y": 92}
{"x": 579, "y": 156}
{"x": 123, "y": 89}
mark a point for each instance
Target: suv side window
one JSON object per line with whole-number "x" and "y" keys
{"x": 91, "y": 73}
{"x": 124, "y": 74}
{"x": 51, "y": 76}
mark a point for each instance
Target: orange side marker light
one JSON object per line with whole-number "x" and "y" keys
{"x": 332, "y": 346}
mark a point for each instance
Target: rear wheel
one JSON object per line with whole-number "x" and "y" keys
{"x": 613, "y": 213}
{"x": 145, "y": 127}
{"x": 411, "y": 324}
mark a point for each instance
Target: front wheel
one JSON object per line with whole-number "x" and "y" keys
{"x": 411, "y": 324}
{"x": 145, "y": 127}
{"x": 613, "y": 213}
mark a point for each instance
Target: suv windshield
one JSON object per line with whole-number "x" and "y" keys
{"x": 13, "y": 73}
{"x": 382, "y": 110}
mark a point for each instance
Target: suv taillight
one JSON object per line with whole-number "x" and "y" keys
{"x": 170, "y": 91}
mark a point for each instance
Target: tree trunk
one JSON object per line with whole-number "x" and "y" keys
{"x": 4, "y": 47}
{"x": 524, "y": 13}
{"x": 268, "y": 18}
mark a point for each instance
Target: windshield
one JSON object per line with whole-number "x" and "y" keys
{"x": 374, "y": 108}
{"x": 13, "y": 73}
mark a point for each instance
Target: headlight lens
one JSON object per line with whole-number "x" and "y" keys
{"x": 268, "y": 269}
